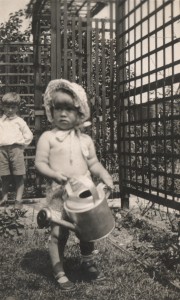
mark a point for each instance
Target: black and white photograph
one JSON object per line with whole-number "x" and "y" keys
{"x": 90, "y": 149}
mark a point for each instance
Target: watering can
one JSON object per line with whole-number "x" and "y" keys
{"x": 87, "y": 210}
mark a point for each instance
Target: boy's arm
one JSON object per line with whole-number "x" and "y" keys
{"x": 42, "y": 160}
{"x": 96, "y": 168}
{"x": 27, "y": 134}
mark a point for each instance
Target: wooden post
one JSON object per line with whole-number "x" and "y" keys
{"x": 7, "y": 50}
{"x": 56, "y": 58}
{"x": 121, "y": 102}
{"x": 37, "y": 73}
{"x": 89, "y": 67}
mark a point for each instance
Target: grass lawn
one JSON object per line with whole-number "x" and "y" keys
{"x": 26, "y": 273}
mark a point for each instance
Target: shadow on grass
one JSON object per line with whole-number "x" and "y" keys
{"x": 38, "y": 262}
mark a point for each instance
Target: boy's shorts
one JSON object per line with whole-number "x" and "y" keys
{"x": 12, "y": 160}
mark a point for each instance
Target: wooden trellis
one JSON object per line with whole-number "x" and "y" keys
{"x": 69, "y": 41}
{"x": 80, "y": 47}
{"x": 148, "y": 77}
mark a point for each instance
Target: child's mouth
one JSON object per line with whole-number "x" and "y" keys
{"x": 63, "y": 120}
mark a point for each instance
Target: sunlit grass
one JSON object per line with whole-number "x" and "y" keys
{"x": 26, "y": 272}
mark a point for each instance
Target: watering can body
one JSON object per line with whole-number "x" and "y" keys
{"x": 87, "y": 209}
{"x": 94, "y": 223}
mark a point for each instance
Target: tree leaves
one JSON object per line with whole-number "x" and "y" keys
{"x": 11, "y": 31}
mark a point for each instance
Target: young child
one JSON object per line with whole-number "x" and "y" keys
{"x": 63, "y": 153}
{"x": 15, "y": 135}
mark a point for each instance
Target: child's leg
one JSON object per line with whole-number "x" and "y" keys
{"x": 57, "y": 243}
{"x": 5, "y": 187}
{"x": 88, "y": 261}
{"x": 16, "y": 156}
{"x": 19, "y": 181}
{"x": 86, "y": 248}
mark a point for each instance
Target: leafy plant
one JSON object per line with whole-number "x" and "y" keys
{"x": 11, "y": 223}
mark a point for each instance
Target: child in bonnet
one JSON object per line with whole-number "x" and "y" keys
{"x": 63, "y": 153}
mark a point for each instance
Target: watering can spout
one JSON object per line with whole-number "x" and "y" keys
{"x": 46, "y": 216}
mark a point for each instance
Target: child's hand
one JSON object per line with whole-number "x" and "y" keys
{"x": 60, "y": 178}
{"x": 108, "y": 182}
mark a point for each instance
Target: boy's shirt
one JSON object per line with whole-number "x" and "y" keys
{"x": 14, "y": 130}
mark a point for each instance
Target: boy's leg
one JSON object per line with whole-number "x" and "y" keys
{"x": 88, "y": 261}
{"x": 5, "y": 173}
{"x": 57, "y": 243}
{"x": 19, "y": 181}
{"x": 16, "y": 155}
{"x": 5, "y": 188}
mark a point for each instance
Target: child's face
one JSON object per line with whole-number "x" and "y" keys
{"x": 10, "y": 109}
{"x": 65, "y": 114}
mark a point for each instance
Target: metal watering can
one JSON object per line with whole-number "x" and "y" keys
{"x": 87, "y": 209}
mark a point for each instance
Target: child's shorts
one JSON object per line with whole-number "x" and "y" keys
{"x": 12, "y": 160}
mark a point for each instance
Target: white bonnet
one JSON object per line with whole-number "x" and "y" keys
{"x": 80, "y": 97}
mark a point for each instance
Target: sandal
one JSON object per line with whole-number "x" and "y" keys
{"x": 90, "y": 271}
{"x": 7, "y": 202}
{"x": 64, "y": 283}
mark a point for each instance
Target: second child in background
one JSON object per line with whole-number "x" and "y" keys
{"x": 15, "y": 136}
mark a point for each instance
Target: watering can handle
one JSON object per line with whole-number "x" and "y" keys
{"x": 105, "y": 188}
{"x": 92, "y": 188}
{"x": 89, "y": 185}
{"x": 69, "y": 189}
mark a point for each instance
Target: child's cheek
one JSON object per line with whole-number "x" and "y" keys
{"x": 78, "y": 118}
{"x": 52, "y": 112}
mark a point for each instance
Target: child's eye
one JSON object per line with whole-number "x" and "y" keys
{"x": 65, "y": 107}
{"x": 10, "y": 106}
{"x": 70, "y": 108}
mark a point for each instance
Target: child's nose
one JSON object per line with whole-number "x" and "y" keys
{"x": 63, "y": 112}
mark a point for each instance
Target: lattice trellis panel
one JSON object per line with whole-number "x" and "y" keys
{"x": 148, "y": 42}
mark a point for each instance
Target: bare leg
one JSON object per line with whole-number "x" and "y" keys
{"x": 19, "y": 180}
{"x": 57, "y": 244}
{"x": 59, "y": 236}
{"x": 5, "y": 188}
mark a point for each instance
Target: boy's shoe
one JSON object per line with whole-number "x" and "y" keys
{"x": 10, "y": 202}
{"x": 29, "y": 201}
{"x": 65, "y": 284}
{"x": 18, "y": 205}
{"x": 7, "y": 202}
{"x": 90, "y": 271}
{"x": 3, "y": 203}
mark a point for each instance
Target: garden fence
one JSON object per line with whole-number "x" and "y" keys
{"x": 148, "y": 76}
